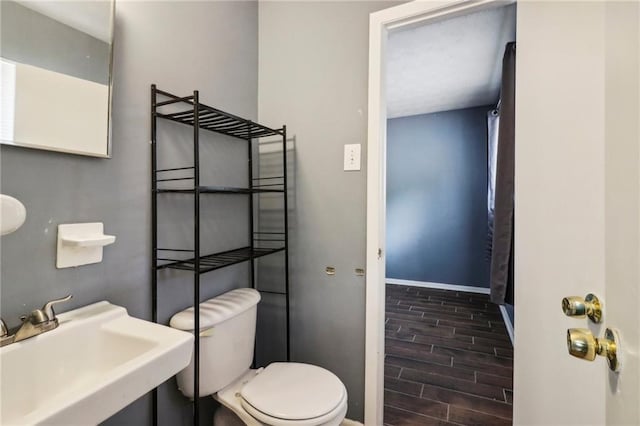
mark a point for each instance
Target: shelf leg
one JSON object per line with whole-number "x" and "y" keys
{"x": 196, "y": 248}
{"x": 286, "y": 239}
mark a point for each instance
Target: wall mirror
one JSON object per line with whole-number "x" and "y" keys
{"x": 55, "y": 75}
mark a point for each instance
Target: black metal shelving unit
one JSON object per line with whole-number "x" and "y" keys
{"x": 189, "y": 111}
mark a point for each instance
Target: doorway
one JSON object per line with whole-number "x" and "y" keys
{"x": 439, "y": 363}
{"x": 448, "y": 354}
{"x": 576, "y": 162}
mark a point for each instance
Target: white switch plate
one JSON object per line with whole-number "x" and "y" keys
{"x": 352, "y": 157}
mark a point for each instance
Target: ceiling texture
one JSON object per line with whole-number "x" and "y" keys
{"x": 450, "y": 64}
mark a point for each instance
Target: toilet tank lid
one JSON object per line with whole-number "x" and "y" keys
{"x": 217, "y": 310}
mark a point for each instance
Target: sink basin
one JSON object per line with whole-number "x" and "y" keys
{"x": 95, "y": 363}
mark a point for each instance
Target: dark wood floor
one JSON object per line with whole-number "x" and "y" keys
{"x": 448, "y": 359}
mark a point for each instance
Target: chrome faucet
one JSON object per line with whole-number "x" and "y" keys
{"x": 37, "y": 322}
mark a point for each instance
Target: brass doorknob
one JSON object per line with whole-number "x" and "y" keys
{"x": 581, "y": 343}
{"x": 590, "y": 306}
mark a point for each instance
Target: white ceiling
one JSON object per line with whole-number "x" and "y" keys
{"x": 92, "y": 17}
{"x": 451, "y": 64}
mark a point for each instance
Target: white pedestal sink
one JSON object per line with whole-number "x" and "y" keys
{"x": 95, "y": 363}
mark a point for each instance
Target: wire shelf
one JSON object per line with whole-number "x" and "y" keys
{"x": 214, "y": 120}
{"x": 218, "y": 260}
{"x": 219, "y": 190}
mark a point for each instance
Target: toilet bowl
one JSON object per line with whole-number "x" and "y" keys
{"x": 281, "y": 394}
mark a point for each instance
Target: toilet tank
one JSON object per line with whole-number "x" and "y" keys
{"x": 227, "y": 337}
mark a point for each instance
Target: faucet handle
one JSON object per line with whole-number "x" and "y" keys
{"x": 48, "y": 307}
{"x": 4, "y": 330}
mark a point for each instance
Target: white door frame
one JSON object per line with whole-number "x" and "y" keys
{"x": 380, "y": 23}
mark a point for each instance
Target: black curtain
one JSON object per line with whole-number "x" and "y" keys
{"x": 501, "y": 281}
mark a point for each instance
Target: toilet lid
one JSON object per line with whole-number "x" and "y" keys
{"x": 293, "y": 391}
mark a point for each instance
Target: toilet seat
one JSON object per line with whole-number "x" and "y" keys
{"x": 338, "y": 413}
{"x": 294, "y": 394}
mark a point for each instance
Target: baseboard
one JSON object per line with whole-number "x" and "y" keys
{"x": 441, "y": 286}
{"x": 467, "y": 288}
{"x": 507, "y": 322}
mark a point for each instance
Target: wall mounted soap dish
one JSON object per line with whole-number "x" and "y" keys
{"x": 89, "y": 240}
{"x": 81, "y": 244}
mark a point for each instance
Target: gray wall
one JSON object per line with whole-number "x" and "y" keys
{"x": 313, "y": 77}
{"x": 271, "y": 328}
{"x": 437, "y": 197}
{"x": 29, "y": 37}
{"x": 181, "y": 46}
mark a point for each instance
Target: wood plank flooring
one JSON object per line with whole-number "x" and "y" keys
{"x": 448, "y": 359}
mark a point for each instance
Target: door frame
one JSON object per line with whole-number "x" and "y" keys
{"x": 380, "y": 23}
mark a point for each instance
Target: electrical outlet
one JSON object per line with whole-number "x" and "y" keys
{"x": 352, "y": 157}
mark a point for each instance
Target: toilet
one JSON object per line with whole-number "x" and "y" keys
{"x": 280, "y": 394}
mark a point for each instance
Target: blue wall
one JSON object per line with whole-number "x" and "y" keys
{"x": 437, "y": 197}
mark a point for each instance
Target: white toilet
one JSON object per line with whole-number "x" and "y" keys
{"x": 281, "y": 394}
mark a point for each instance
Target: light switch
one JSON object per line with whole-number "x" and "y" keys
{"x": 352, "y": 157}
